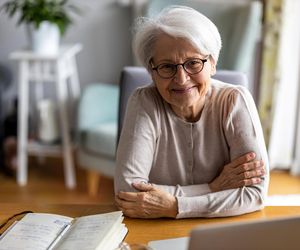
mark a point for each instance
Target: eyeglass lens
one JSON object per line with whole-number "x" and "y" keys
{"x": 168, "y": 70}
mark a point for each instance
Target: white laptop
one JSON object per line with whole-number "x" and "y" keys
{"x": 283, "y": 233}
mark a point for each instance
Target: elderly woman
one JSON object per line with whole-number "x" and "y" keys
{"x": 191, "y": 146}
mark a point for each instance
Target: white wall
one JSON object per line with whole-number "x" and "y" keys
{"x": 104, "y": 31}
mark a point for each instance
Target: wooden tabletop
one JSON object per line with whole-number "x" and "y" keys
{"x": 140, "y": 230}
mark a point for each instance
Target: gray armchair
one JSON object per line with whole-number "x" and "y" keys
{"x": 97, "y": 132}
{"x": 101, "y": 114}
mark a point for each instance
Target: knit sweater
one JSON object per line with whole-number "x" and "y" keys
{"x": 181, "y": 157}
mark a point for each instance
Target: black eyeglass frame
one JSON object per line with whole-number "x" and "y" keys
{"x": 176, "y": 67}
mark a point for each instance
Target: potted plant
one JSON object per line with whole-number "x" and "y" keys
{"x": 46, "y": 21}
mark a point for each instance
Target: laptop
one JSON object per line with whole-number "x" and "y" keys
{"x": 282, "y": 233}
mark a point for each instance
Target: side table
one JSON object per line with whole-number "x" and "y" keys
{"x": 59, "y": 69}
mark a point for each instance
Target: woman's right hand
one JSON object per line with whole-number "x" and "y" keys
{"x": 242, "y": 171}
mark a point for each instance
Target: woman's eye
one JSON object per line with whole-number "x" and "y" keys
{"x": 166, "y": 67}
{"x": 194, "y": 63}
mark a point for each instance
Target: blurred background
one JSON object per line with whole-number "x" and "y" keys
{"x": 260, "y": 38}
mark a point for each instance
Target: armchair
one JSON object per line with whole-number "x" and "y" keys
{"x": 97, "y": 132}
{"x": 101, "y": 113}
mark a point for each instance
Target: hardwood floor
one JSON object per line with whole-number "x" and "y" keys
{"x": 46, "y": 185}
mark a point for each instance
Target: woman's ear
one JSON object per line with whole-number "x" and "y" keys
{"x": 213, "y": 68}
{"x": 151, "y": 72}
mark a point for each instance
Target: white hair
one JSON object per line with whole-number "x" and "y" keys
{"x": 176, "y": 21}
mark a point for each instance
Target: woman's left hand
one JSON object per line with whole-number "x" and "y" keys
{"x": 149, "y": 202}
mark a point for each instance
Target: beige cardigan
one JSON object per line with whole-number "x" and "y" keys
{"x": 158, "y": 147}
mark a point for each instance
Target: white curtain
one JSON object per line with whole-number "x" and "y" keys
{"x": 284, "y": 145}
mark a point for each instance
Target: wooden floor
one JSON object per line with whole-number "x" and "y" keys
{"x": 46, "y": 185}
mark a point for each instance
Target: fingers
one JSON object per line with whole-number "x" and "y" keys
{"x": 142, "y": 186}
{"x": 128, "y": 196}
{"x": 248, "y": 173}
{"x": 131, "y": 209}
{"x": 134, "y": 196}
{"x": 246, "y": 178}
{"x": 123, "y": 203}
{"x": 250, "y": 182}
{"x": 241, "y": 160}
{"x": 150, "y": 204}
{"x": 250, "y": 166}
{"x": 244, "y": 182}
{"x": 251, "y": 174}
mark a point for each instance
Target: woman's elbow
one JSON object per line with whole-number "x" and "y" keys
{"x": 254, "y": 198}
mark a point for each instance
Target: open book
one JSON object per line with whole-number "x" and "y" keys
{"x": 42, "y": 231}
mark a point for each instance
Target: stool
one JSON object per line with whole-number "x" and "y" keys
{"x": 60, "y": 69}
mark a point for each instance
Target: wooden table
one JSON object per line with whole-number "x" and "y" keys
{"x": 140, "y": 230}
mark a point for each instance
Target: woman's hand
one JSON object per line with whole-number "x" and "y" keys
{"x": 242, "y": 171}
{"x": 149, "y": 202}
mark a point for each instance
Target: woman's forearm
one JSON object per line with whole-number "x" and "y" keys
{"x": 220, "y": 204}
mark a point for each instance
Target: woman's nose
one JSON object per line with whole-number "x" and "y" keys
{"x": 181, "y": 75}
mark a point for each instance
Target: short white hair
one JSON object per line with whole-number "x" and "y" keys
{"x": 176, "y": 21}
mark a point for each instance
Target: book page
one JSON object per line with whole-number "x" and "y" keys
{"x": 89, "y": 231}
{"x": 114, "y": 239}
{"x": 34, "y": 231}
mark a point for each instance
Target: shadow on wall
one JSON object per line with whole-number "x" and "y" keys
{"x": 8, "y": 127}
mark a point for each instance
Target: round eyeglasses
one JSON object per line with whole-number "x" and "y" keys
{"x": 169, "y": 70}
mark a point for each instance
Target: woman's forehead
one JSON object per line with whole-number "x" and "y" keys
{"x": 169, "y": 47}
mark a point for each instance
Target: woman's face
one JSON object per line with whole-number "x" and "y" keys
{"x": 184, "y": 92}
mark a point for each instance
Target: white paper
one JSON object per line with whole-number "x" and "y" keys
{"x": 34, "y": 231}
{"x": 88, "y": 231}
{"x": 39, "y": 231}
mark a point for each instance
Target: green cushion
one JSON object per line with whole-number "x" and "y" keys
{"x": 99, "y": 103}
{"x": 98, "y": 119}
{"x": 101, "y": 139}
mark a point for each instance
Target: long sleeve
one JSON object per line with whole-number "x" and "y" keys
{"x": 137, "y": 144}
{"x": 181, "y": 158}
{"x": 220, "y": 204}
{"x": 243, "y": 134}
{"x": 138, "y": 147}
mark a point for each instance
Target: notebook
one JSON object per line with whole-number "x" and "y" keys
{"x": 282, "y": 233}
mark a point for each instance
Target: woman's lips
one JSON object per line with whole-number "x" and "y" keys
{"x": 182, "y": 90}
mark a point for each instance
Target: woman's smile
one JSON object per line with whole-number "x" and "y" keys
{"x": 183, "y": 90}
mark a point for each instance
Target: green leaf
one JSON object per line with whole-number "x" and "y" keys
{"x": 36, "y": 11}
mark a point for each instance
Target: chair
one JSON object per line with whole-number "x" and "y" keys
{"x": 99, "y": 128}
{"x": 97, "y": 132}
{"x": 133, "y": 77}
